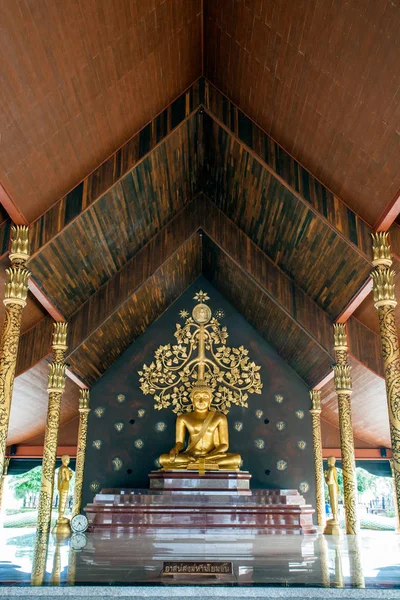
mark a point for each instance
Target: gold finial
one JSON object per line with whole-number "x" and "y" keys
{"x": 384, "y": 287}
{"x": 16, "y": 286}
{"x": 84, "y": 400}
{"x": 382, "y": 254}
{"x": 19, "y": 253}
{"x": 342, "y": 379}
{"x": 339, "y": 336}
{"x": 315, "y": 396}
{"x": 60, "y": 336}
{"x": 56, "y": 381}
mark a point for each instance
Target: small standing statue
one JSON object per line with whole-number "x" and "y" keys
{"x": 332, "y": 525}
{"x": 62, "y": 525}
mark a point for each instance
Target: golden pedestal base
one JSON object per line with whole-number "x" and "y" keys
{"x": 332, "y": 527}
{"x": 62, "y": 527}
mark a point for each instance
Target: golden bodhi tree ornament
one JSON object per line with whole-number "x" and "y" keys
{"x": 200, "y": 355}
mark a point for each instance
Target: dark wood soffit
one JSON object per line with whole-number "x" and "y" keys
{"x": 288, "y": 171}
{"x": 274, "y": 282}
{"x": 292, "y": 343}
{"x": 87, "y": 76}
{"x": 117, "y": 166}
{"x": 91, "y": 360}
{"x": 301, "y": 242}
{"x": 114, "y": 292}
{"x": 88, "y": 252}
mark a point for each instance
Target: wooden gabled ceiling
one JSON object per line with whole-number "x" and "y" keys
{"x": 116, "y": 235}
{"x": 323, "y": 78}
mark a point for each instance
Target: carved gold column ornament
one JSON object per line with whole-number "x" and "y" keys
{"x": 39, "y": 558}
{"x": 318, "y": 463}
{"x": 16, "y": 291}
{"x": 3, "y": 479}
{"x": 396, "y": 509}
{"x": 342, "y": 380}
{"x": 81, "y": 450}
{"x": 56, "y": 384}
{"x": 385, "y": 302}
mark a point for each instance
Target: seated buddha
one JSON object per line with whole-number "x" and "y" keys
{"x": 208, "y": 437}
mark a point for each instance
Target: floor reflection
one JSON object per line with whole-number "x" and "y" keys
{"x": 371, "y": 560}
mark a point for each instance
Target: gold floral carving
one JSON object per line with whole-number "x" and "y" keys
{"x": 81, "y": 450}
{"x": 56, "y": 385}
{"x": 19, "y": 253}
{"x": 16, "y": 290}
{"x": 228, "y": 371}
{"x": 339, "y": 336}
{"x": 317, "y": 449}
{"x": 382, "y": 255}
{"x": 342, "y": 380}
{"x": 383, "y": 287}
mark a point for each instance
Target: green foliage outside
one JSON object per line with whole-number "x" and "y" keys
{"x": 26, "y": 483}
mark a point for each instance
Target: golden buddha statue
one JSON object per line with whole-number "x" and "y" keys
{"x": 332, "y": 525}
{"x": 208, "y": 437}
{"x": 65, "y": 474}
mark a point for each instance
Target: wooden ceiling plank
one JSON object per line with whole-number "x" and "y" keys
{"x": 105, "y": 344}
{"x": 279, "y": 287}
{"x": 318, "y": 258}
{"x": 65, "y": 211}
{"x": 36, "y": 343}
{"x": 288, "y": 171}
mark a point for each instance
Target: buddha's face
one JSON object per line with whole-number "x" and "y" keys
{"x": 201, "y": 400}
{"x": 331, "y": 461}
{"x": 65, "y": 460}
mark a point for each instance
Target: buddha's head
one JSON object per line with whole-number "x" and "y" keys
{"x": 201, "y": 396}
{"x": 331, "y": 461}
{"x": 65, "y": 460}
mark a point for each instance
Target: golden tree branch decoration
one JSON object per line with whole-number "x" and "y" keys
{"x": 200, "y": 354}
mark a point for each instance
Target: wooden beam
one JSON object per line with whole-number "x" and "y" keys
{"x": 23, "y": 451}
{"x": 360, "y": 453}
{"x": 355, "y": 302}
{"x": 389, "y": 215}
{"x": 11, "y": 208}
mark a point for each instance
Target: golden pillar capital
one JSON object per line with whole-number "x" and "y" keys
{"x": 381, "y": 251}
{"x": 16, "y": 291}
{"x": 56, "y": 384}
{"x": 84, "y": 409}
{"x": 19, "y": 253}
{"x": 384, "y": 287}
{"x": 315, "y": 396}
{"x": 340, "y": 337}
{"x": 84, "y": 401}
{"x": 342, "y": 379}
{"x": 315, "y": 411}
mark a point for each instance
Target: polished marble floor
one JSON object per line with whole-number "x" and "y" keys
{"x": 371, "y": 561}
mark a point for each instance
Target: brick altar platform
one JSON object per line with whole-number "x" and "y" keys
{"x": 202, "y": 502}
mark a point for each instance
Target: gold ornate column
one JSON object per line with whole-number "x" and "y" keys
{"x": 385, "y": 301}
{"x": 56, "y": 384}
{"x": 39, "y": 558}
{"x": 318, "y": 463}
{"x": 396, "y": 509}
{"x": 14, "y": 300}
{"x": 342, "y": 379}
{"x": 81, "y": 450}
{"x": 3, "y": 479}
